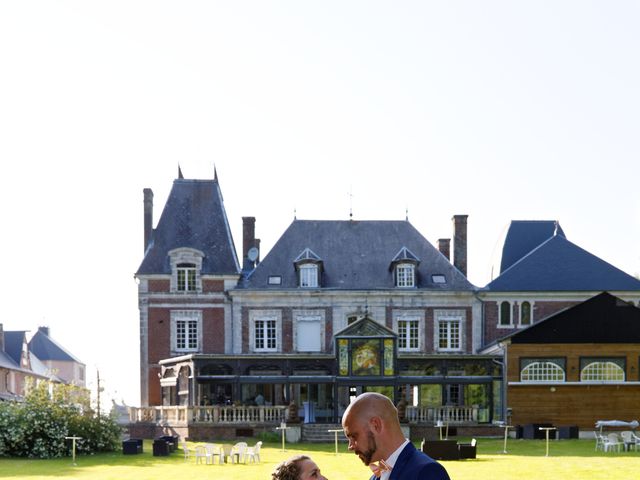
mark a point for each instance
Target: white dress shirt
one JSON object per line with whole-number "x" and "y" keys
{"x": 391, "y": 461}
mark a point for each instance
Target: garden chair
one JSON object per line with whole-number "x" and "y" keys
{"x": 599, "y": 441}
{"x": 226, "y": 451}
{"x": 611, "y": 442}
{"x": 252, "y": 454}
{"x": 237, "y": 452}
{"x": 201, "y": 452}
{"x": 214, "y": 450}
{"x": 187, "y": 451}
{"x": 629, "y": 441}
{"x": 636, "y": 439}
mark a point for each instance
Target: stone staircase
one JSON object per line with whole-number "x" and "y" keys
{"x": 318, "y": 433}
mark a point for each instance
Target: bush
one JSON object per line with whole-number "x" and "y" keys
{"x": 37, "y": 427}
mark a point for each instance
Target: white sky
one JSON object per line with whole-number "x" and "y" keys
{"x": 499, "y": 110}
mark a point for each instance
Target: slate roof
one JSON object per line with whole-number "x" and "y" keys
{"x": 525, "y": 235}
{"x": 7, "y": 362}
{"x": 356, "y": 255}
{"x": 559, "y": 265}
{"x": 194, "y": 217}
{"x": 13, "y": 341}
{"x": 601, "y": 319}
{"x": 45, "y": 348}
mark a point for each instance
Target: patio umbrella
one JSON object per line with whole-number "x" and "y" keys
{"x": 616, "y": 423}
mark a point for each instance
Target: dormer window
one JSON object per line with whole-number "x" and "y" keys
{"x": 308, "y": 275}
{"x": 405, "y": 275}
{"x": 186, "y": 265}
{"x": 404, "y": 266}
{"x": 186, "y": 281}
{"x": 309, "y": 267}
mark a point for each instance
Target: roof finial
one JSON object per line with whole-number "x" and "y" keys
{"x": 215, "y": 173}
{"x": 295, "y": 213}
{"x": 350, "y": 202}
{"x": 406, "y": 213}
{"x": 555, "y": 228}
{"x": 180, "y": 172}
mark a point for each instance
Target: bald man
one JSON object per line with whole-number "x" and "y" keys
{"x": 372, "y": 427}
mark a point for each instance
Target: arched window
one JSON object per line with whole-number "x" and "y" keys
{"x": 542, "y": 371}
{"x": 525, "y": 313}
{"x": 505, "y": 313}
{"x": 602, "y": 371}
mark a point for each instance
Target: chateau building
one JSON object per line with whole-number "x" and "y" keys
{"x": 337, "y": 308}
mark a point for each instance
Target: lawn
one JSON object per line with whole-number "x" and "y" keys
{"x": 568, "y": 459}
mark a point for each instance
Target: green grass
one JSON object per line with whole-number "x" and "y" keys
{"x": 568, "y": 459}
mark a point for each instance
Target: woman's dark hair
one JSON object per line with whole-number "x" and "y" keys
{"x": 289, "y": 469}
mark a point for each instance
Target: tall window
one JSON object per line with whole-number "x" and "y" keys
{"x": 525, "y": 313}
{"x": 505, "y": 313}
{"x": 448, "y": 330}
{"x": 186, "y": 277}
{"x": 405, "y": 275}
{"x": 309, "y": 275}
{"x": 265, "y": 334}
{"x": 602, "y": 371}
{"x": 408, "y": 334}
{"x": 309, "y": 335}
{"x": 542, "y": 371}
{"x": 186, "y": 327}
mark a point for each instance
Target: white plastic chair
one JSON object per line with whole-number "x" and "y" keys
{"x": 252, "y": 454}
{"x": 600, "y": 439}
{"x": 629, "y": 441}
{"x": 612, "y": 441}
{"x": 214, "y": 450}
{"x": 187, "y": 451}
{"x": 201, "y": 452}
{"x": 237, "y": 452}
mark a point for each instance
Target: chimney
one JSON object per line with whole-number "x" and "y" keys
{"x": 44, "y": 330}
{"x": 248, "y": 240}
{"x": 1, "y": 338}
{"x": 460, "y": 243}
{"x": 148, "y": 216}
{"x": 444, "y": 245}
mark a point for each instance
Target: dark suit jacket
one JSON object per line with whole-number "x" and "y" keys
{"x": 415, "y": 465}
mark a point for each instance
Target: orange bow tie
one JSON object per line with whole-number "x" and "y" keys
{"x": 381, "y": 467}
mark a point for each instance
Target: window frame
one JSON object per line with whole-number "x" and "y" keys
{"x": 500, "y": 314}
{"x": 607, "y": 364}
{"x": 308, "y": 275}
{"x": 412, "y": 323}
{"x": 192, "y": 320}
{"x": 179, "y": 258}
{"x": 520, "y": 313}
{"x": 543, "y": 367}
{"x": 449, "y": 319}
{"x": 314, "y": 316}
{"x": 256, "y": 318}
{"x": 405, "y": 273}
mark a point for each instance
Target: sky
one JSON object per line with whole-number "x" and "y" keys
{"x": 500, "y": 110}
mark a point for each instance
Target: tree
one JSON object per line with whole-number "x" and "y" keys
{"x": 37, "y": 427}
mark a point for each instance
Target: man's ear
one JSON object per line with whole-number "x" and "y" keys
{"x": 375, "y": 423}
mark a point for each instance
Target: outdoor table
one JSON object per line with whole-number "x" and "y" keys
{"x": 73, "y": 447}
{"x": 283, "y": 427}
{"x": 336, "y": 435}
{"x": 547, "y": 430}
{"x": 506, "y": 433}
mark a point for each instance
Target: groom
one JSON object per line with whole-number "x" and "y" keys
{"x": 372, "y": 427}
